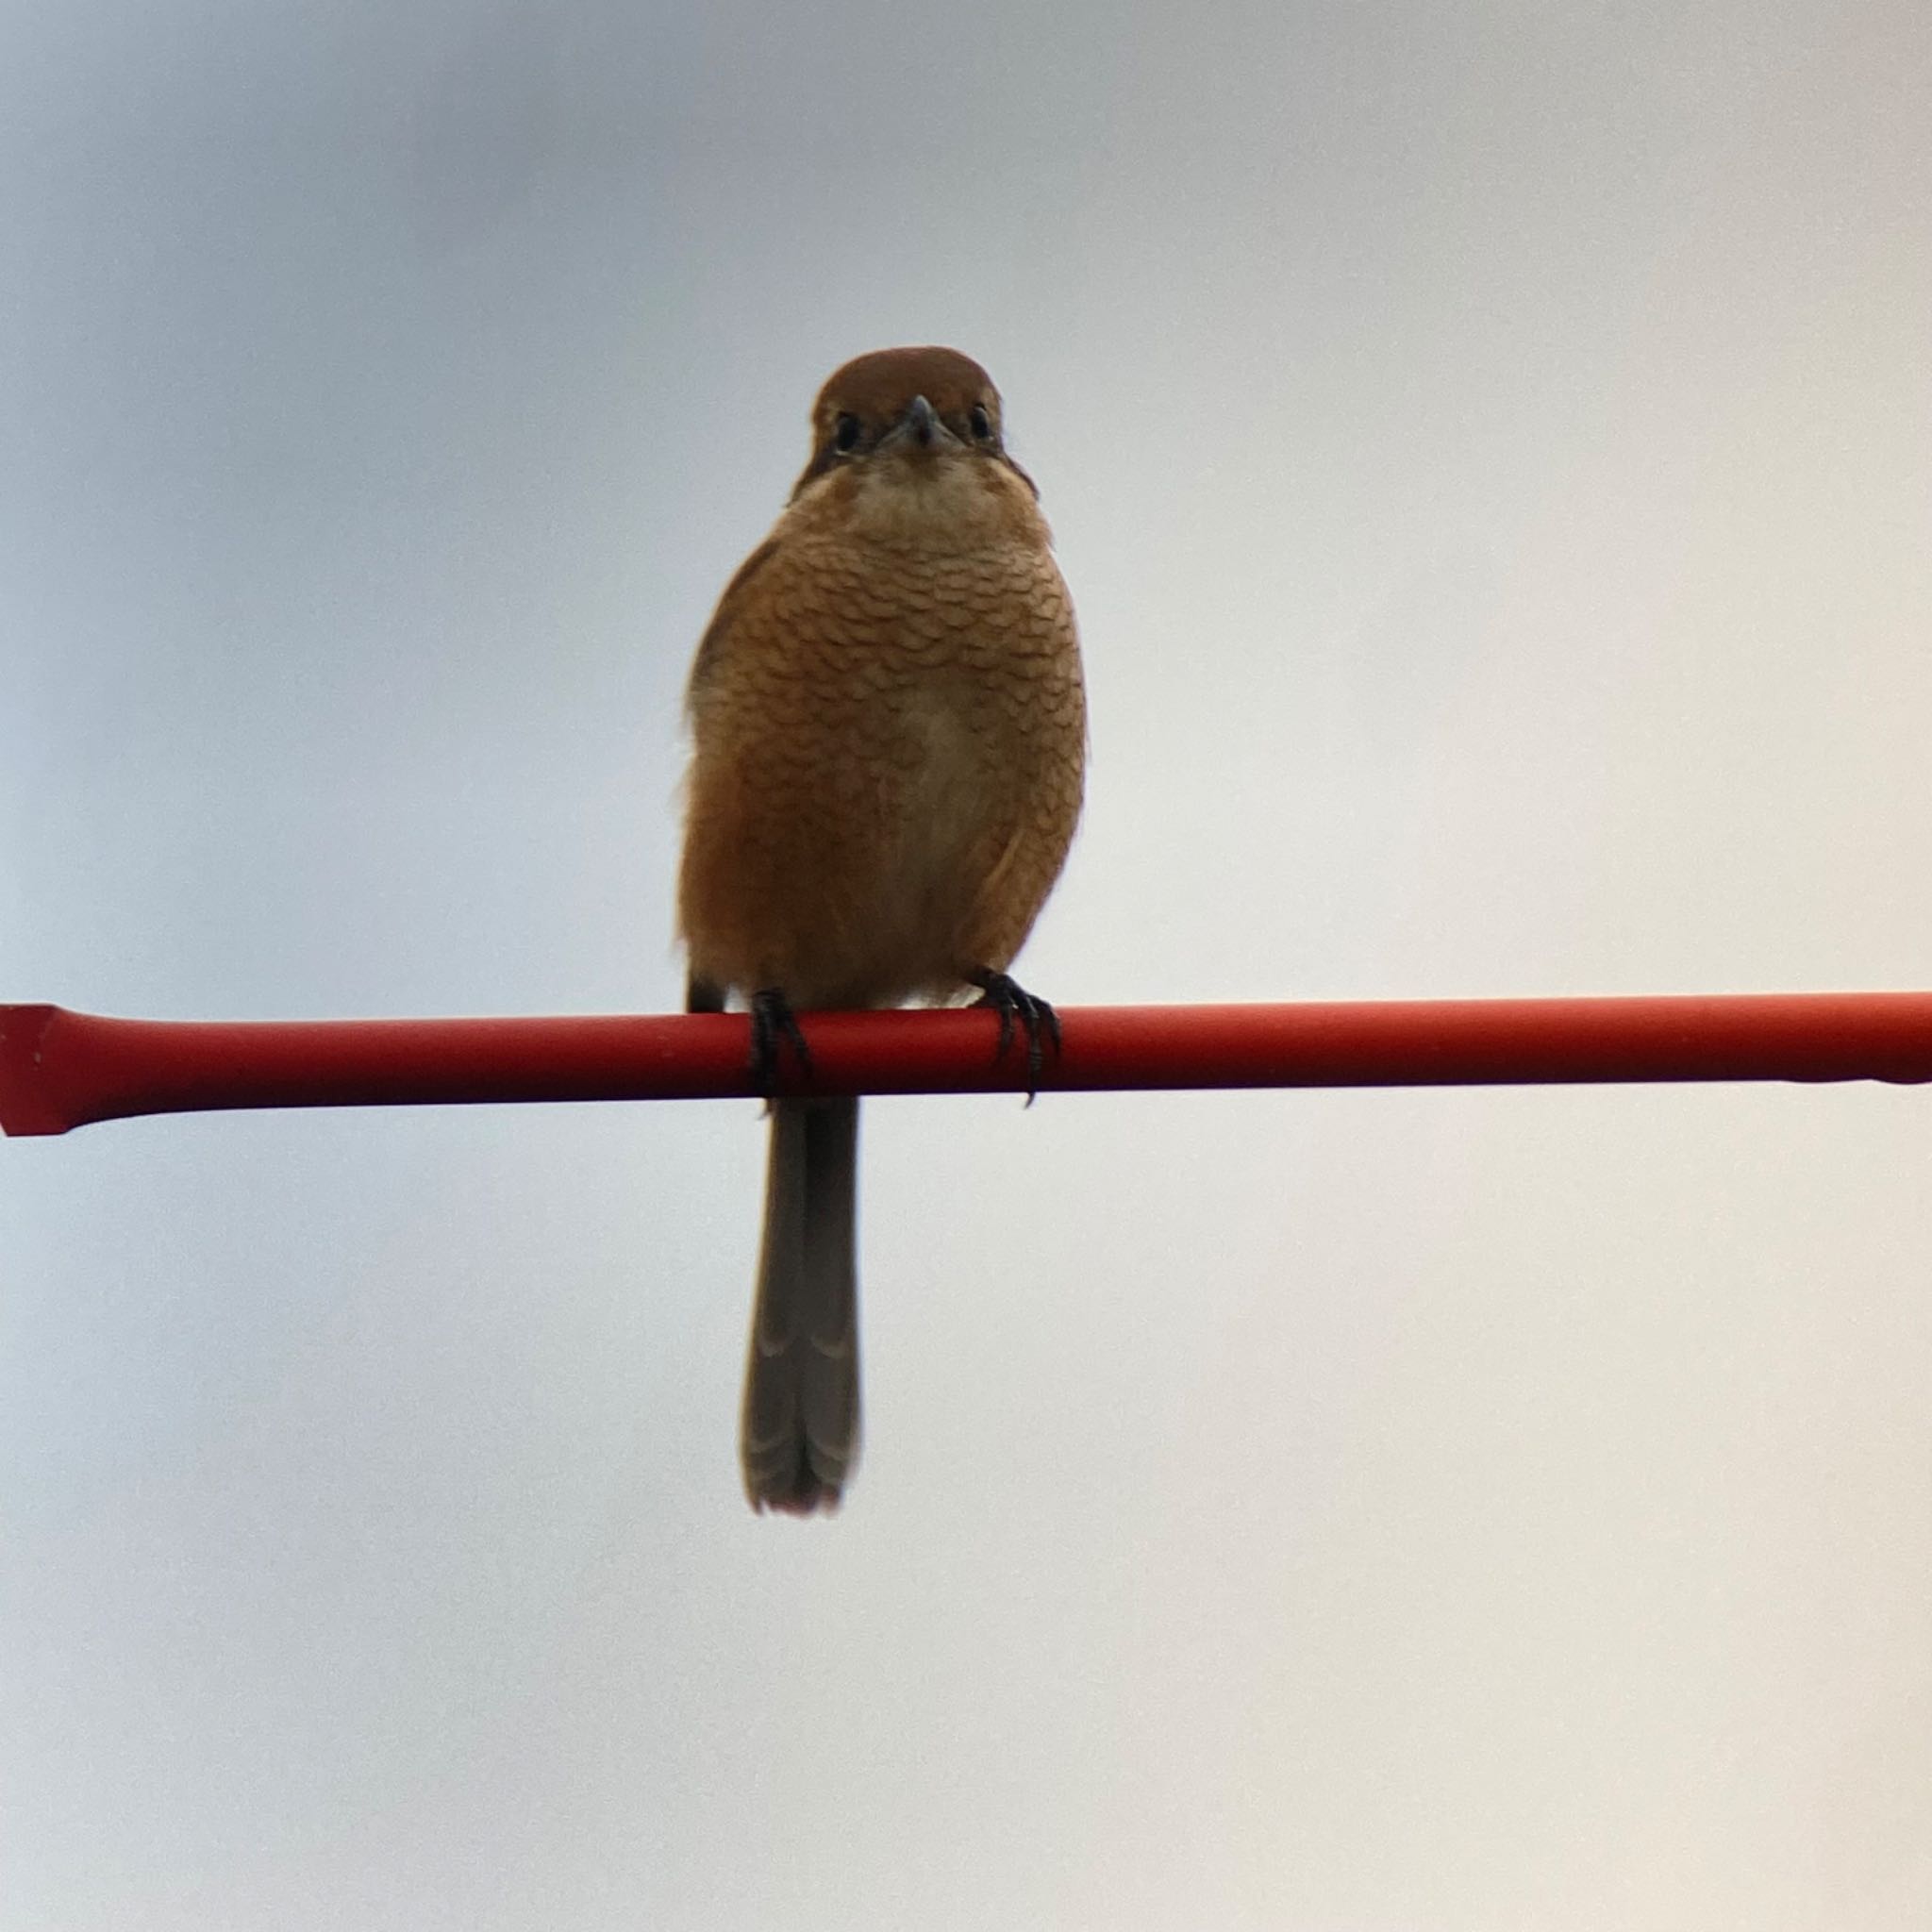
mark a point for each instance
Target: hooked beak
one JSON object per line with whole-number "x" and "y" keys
{"x": 918, "y": 428}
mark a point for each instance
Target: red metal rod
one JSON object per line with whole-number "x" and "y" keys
{"x": 60, "y": 1069}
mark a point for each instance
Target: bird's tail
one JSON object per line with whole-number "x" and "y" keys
{"x": 799, "y": 1439}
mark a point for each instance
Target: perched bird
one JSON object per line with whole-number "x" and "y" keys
{"x": 889, "y": 734}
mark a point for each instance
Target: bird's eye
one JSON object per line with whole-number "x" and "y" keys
{"x": 845, "y": 435}
{"x": 980, "y": 422}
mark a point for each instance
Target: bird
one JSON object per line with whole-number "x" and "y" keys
{"x": 889, "y": 735}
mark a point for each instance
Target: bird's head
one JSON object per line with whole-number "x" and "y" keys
{"x": 906, "y": 415}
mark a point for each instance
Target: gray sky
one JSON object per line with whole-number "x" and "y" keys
{"x": 1489, "y": 446}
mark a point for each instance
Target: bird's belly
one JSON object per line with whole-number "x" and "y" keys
{"x": 913, "y": 875}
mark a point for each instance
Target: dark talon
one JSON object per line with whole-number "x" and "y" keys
{"x": 773, "y": 1021}
{"x": 1023, "y": 1012}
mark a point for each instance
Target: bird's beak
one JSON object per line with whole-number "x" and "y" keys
{"x": 919, "y": 428}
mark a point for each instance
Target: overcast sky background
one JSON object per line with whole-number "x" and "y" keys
{"x": 1490, "y": 446}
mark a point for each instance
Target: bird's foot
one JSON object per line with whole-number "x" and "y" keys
{"x": 773, "y": 1021}
{"x": 1020, "y": 1012}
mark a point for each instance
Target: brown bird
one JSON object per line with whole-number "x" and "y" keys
{"x": 889, "y": 735}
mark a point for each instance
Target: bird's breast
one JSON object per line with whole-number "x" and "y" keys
{"x": 887, "y": 724}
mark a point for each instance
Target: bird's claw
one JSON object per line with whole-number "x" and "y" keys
{"x": 1020, "y": 1012}
{"x": 773, "y": 1021}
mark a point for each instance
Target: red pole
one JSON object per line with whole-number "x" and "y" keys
{"x": 60, "y": 1069}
